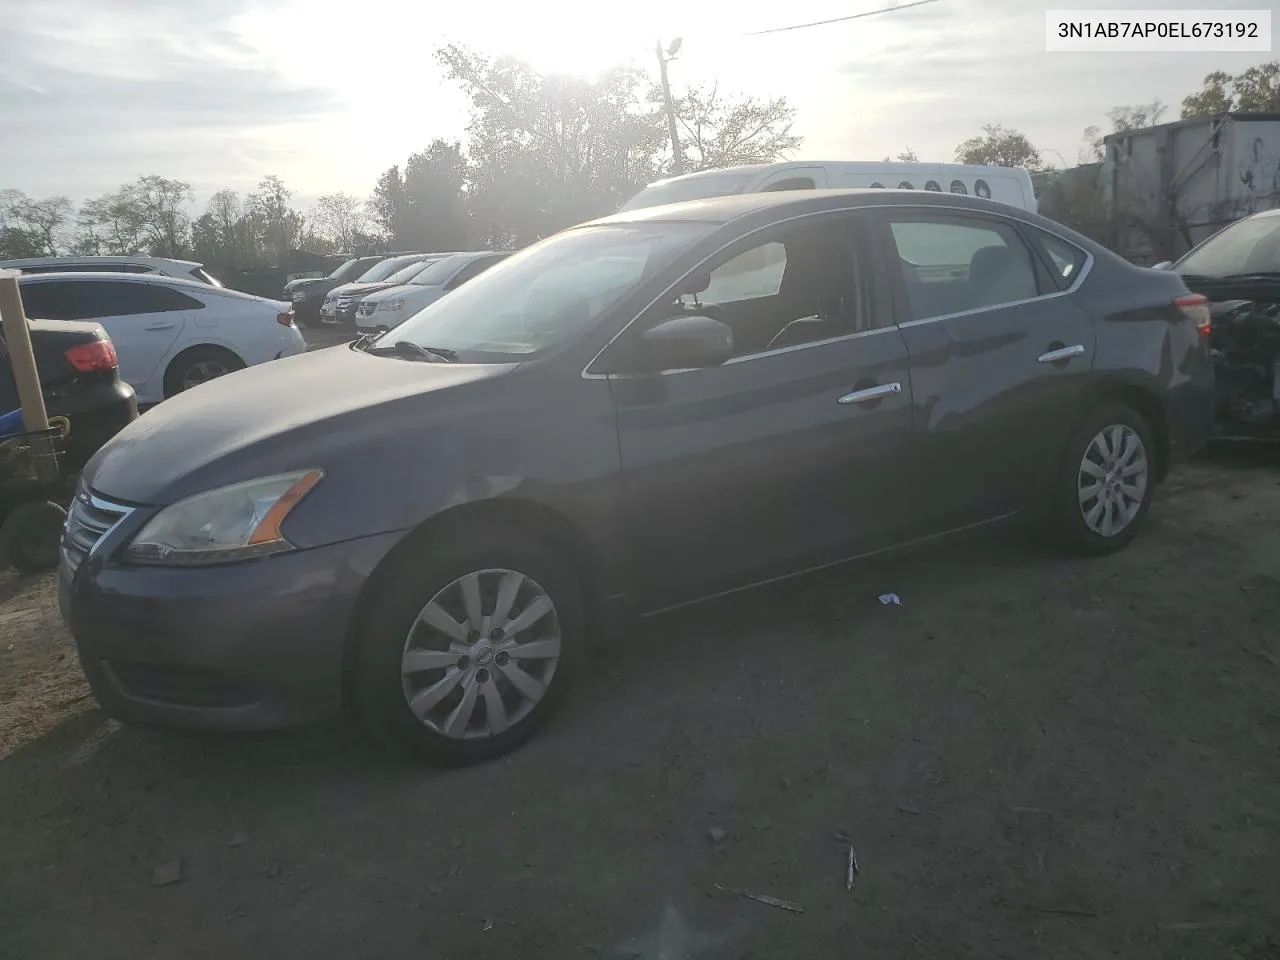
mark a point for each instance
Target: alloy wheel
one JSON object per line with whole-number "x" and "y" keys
{"x": 202, "y": 371}
{"x": 1112, "y": 480}
{"x": 481, "y": 654}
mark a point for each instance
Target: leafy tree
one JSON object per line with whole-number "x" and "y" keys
{"x": 548, "y": 151}
{"x": 162, "y": 203}
{"x": 31, "y": 227}
{"x": 1256, "y": 90}
{"x": 111, "y": 224}
{"x": 275, "y": 227}
{"x": 1001, "y": 148}
{"x": 388, "y": 202}
{"x": 435, "y": 206}
{"x": 723, "y": 132}
{"x": 341, "y": 219}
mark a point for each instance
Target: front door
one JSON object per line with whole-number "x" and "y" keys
{"x": 1000, "y": 356}
{"x": 789, "y": 455}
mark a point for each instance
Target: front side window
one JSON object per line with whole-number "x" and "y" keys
{"x": 549, "y": 292}
{"x": 791, "y": 285}
{"x": 385, "y": 269}
{"x": 691, "y": 188}
{"x": 954, "y": 265}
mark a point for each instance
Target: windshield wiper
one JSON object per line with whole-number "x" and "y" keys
{"x": 412, "y": 351}
{"x": 1271, "y": 276}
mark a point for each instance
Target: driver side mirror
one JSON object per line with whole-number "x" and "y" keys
{"x": 686, "y": 342}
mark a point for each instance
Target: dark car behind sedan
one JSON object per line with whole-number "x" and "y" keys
{"x": 1238, "y": 270}
{"x": 308, "y": 293}
{"x": 634, "y": 414}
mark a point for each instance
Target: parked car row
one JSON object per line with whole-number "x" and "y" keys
{"x": 397, "y": 287}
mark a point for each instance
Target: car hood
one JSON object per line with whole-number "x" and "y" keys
{"x": 390, "y": 293}
{"x": 299, "y": 412}
{"x": 358, "y": 289}
{"x": 308, "y": 283}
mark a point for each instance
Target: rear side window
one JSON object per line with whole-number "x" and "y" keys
{"x": 1066, "y": 260}
{"x": 792, "y": 183}
{"x": 94, "y": 299}
{"x": 955, "y": 265}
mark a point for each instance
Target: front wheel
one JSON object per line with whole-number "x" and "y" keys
{"x": 1106, "y": 481}
{"x": 468, "y": 649}
{"x": 199, "y": 365}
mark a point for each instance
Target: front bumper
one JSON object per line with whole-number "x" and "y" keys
{"x": 246, "y": 646}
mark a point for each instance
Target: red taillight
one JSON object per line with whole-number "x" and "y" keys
{"x": 1195, "y": 306}
{"x": 99, "y": 355}
{"x": 285, "y": 319}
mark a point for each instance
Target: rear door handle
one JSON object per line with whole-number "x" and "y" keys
{"x": 871, "y": 393}
{"x": 160, "y": 326}
{"x": 1062, "y": 353}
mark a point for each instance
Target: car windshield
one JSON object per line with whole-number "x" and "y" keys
{"x": 439, "y": 271}
{"x": 382, "y": 270}
{"x": 344, "y": 272}
{"x": 694, "y": 188}
{"x": 409, "y": 271}
{"x": 548, "y": 292}
{"x": 1249, "y": 246}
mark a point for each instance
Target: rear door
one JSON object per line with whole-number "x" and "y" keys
{"x": 788, "y": 456}
{"x": 1000, "y": 357}
{"x": 144, "y": 320}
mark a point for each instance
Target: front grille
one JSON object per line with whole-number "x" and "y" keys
{"x": 179, "y": 684}
{"x": 366, "y": 309}
{"x": 88, "y": 520}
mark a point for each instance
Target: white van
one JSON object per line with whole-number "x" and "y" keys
{"x": 1011, "y": 185}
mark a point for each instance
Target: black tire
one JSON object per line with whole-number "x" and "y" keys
{"x": 182, "y": 367}
{"x": 416, "y": 581}
{"x": 1067, "y": 515}
{"x": 30, "y": 536}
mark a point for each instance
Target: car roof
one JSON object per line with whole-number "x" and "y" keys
{"x": 724, "y": 209}
{"x": 109, "y": 275}
{"x": 102, "y": 258}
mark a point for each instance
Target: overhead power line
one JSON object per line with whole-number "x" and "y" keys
{"x": 852, "y": 16}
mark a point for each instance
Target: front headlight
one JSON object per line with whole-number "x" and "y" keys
{"x": 237, "y": 522}
{"x": 391, "y": 305}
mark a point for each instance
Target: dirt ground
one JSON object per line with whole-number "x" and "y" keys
{"x": 1032, "y": 756}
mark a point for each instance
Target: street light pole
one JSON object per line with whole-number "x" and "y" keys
{"x": 677, "y": 158}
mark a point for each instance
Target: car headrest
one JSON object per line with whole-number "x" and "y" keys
{"x": 989, "y": 263}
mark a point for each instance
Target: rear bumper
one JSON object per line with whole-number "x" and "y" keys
{"x": 96, "y": 414}
{"x": 1190, "y": 409}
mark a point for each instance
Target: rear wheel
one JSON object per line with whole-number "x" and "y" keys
{"x": 469, "y": 649}
{"x": 199, "y": 365}
{"x": 1106, "y": 481}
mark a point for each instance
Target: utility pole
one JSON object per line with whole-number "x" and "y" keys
{"x": 677, "y": 158}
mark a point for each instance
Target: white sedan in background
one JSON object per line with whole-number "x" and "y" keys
{"x": 389, "y": 308}
{"x": 170, "y": 335}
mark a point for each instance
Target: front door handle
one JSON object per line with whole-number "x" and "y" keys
{"x": 160, "y": 326}
{"x": 1060, "y": 354}
{"x": 871, "y": 393}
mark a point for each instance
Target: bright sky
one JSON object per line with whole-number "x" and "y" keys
{"x": 326, "y": 95}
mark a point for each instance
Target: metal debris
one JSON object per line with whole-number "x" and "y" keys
{"x": 488, "y": 925}
{"x": 851, "y": 875}
{"x": 890, "y": 600}
{"x": 764, "y": 898}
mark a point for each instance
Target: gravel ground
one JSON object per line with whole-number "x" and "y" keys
{"x": 1032, "y": 756}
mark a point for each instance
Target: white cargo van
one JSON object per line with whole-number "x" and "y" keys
{"x": 1010, "y": 185}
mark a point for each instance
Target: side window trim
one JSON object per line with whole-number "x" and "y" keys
{"x": 873, "y": 212}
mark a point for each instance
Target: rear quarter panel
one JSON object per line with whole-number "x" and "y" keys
{"x": 1144, "y": 341}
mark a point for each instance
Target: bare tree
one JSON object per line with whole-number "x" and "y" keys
{"x": 722, "y": 131}
{"x": 341, "y": 218}
{"x": 33, "y": 225}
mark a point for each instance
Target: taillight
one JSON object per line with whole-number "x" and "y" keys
{"x": 98, "y": 355}
{"x": 285, "y": 319}
{"x": 1195, "y": 307}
